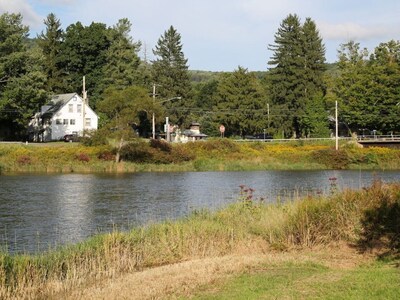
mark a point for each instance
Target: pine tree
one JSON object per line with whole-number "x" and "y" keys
{"x": 170, "y": 74}
{"x": 50, "y": 42}
{"x": 121, "y": 69}
{"x": 22, "y": 82}
{"x": 240, "y": 106}
{"x": 296, "y": 75}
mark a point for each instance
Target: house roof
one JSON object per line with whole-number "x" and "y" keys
{"x": 56, "y": 102}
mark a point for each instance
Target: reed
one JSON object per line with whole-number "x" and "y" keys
{"x": 246, "y": 226}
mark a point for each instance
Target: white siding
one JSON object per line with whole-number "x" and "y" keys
{"x": 59, "y": 130}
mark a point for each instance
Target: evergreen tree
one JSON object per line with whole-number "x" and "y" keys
{"x": 240, "y": 106}
{"x": 50, "y": 42}
{"x": 170, "y": 73}
{"x": 22, "y": 82}
{"x": 121, "y": 68}
{"x": 296, "y": 76}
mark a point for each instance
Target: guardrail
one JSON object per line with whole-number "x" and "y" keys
{"x": 378, "y": 138}
{"x": 294, "y": 140}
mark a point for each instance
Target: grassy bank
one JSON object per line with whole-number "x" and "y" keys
{"x": 214, "y": 155}
{"x": 366, "y": 219}
{"x": 307, "y": 280}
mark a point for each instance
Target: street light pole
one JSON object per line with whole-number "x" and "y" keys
{"x": 153, "y": 121}
{"x": 153, "y": 117}
{"x": 336, "y": 127}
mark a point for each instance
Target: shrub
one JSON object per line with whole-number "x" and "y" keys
{"x": 24, "y": 160}
{"x": 83, "y": 157}
{"x": 106, "y": 155}
{"x": 331, "y": 158}
{"x": 136, "y": 152}
{"x": 161, "y": 145}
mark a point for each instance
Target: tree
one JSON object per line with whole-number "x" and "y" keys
{"x": 122, "y": 60}
{"x": 84, "y": 53}
{"x": 296, "y": 75}
{"x": 368, "y": 89}
{"x": 240, "y": 106}
{"x": 22, "y": 82}
{"x": 170, "y": 72}
{"x": 124, "y": 111}
{"x": 50, "y": 42}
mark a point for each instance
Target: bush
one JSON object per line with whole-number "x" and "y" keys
{"x": 161, "y": 145}
{"x": 331, "y": 158}
{"x": 106, "y": 155}
{"x": 24, "y": 160}
{"x": 83, "y": 157}
{"x": 156, "y": 152}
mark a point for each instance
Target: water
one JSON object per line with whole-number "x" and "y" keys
{"x": 39, "y": 212}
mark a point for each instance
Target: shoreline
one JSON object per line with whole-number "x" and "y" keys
{"x": 345, "y": 218}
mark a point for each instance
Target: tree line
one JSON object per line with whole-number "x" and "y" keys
{"x": 294, "y": 97}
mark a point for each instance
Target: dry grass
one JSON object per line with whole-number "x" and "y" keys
{"x": 182, "y": 279}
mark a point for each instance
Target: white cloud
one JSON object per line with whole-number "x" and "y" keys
{"x": 353, "y": 31}
{"x": 31, "y": 18}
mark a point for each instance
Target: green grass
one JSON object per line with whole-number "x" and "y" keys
{"x": 307, "y": 280}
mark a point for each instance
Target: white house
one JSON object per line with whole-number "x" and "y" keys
{"x": 64, "y": 114}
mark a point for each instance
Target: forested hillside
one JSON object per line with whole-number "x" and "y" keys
{"x": 294, "y": 95}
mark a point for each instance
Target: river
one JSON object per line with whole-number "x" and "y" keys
{"x": 39, "y": 212}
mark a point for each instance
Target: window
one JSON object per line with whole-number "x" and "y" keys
{"x": 65, "y": 122}
{"x": 79, "y": 108}
{"x": 72, "y": 122}
{"x": 70, "y": 108}
{"x": 87, "y": 122}
{"x": 58, "y": 122}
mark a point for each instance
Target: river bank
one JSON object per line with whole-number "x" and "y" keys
{"x": 214, "y": 155}
{"x": 364, "y": 221}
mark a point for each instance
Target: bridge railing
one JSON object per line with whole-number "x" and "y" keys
{"x": 378, "y": 137}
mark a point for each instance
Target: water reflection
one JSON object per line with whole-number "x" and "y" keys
{"x": 42, "y": 211}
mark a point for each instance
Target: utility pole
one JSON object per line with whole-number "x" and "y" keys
{"x": 153, "y": 121}
{"x": 337, "y": 126}
{"x": 84, "y": 96}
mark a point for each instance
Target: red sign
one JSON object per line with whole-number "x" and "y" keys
{"x": 222, "y": 128}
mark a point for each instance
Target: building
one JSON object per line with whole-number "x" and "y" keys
{"x": 64, "y": 114}
{"x": 191, "y": 134}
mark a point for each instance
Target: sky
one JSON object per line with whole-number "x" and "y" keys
{"x": 221, "y": 35}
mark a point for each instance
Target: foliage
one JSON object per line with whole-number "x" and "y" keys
{"x": 296, "y": 76}
{"x": 22, "y": 82}
{"x": 170, "y": 73}
{"x": 123, "y": 110}
{"x": 156, "y": 152}
{"x": 121, "y": 69}
{"x": 381, "y": 221}
{"x": 83, "y": 53}
{"x": 240, "y": 105}
{"x": 367, "y": 89}
{"x": 50, "y": 43}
